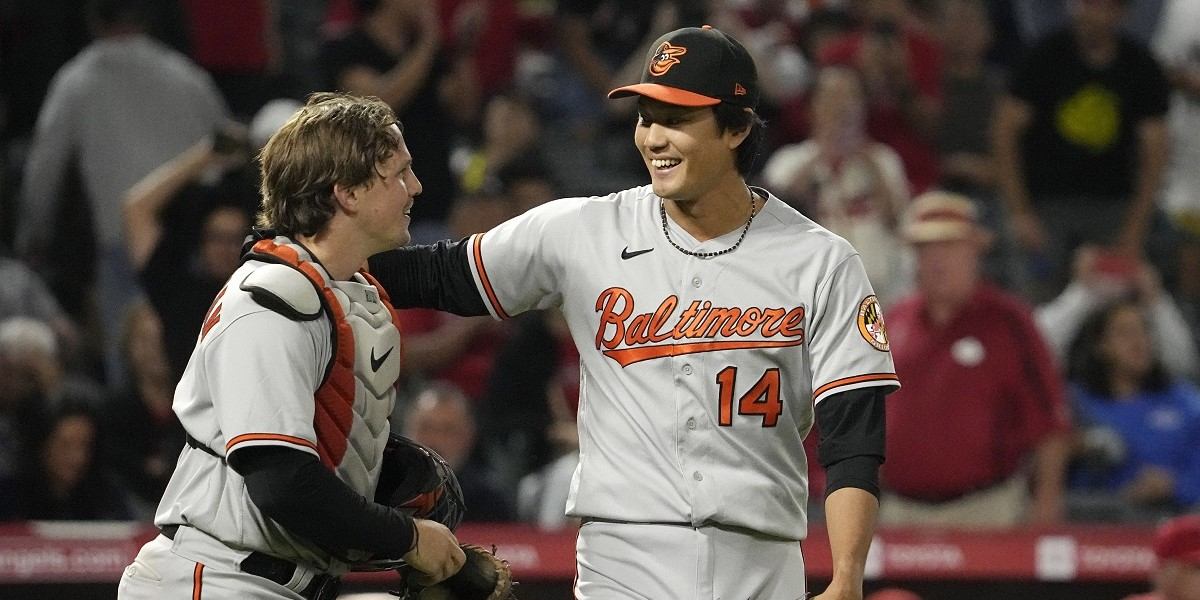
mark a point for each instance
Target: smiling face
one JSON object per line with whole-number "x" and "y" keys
{"x": 384, "y": 202}
{"x": 685, "y": 150}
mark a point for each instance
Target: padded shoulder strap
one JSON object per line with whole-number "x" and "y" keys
{"x": 285, "y": 290}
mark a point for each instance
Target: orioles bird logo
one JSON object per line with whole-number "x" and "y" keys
{"x": 665, "y": 57}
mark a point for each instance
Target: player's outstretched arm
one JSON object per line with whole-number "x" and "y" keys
{"x": 850, "y": 517}
{"x": 436, "y": 553}
{"x": 430, "y": 276}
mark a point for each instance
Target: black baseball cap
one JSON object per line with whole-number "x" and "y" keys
{"x": 697, "y": 66}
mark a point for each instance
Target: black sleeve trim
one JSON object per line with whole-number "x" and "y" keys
{"x": 851, "y": 424}
{"x": 430, "y": 276}
{"x": 852, "y": 444}
{"x": 292, "y": 488}
{"x": 860, "y": 472}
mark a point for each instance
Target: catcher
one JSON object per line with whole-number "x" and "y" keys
{"x": 286, "y": 396}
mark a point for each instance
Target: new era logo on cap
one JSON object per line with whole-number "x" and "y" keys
{"x": 697, "y": 66}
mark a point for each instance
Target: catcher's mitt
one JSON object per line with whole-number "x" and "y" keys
{"x": 484, "y": 576}
{"x": 418, "y": 481}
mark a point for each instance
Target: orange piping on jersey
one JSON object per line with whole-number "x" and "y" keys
{"x": 197, "y": 581}
{"x": 487, "y": 284}
{"x": 275, "y": 437}
{"x": 855, "y": 379}
{"x": 628, "y": 356}
{"x": 334, "y": 411}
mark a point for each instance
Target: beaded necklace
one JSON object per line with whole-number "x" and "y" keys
{"x": 662, "y": 211}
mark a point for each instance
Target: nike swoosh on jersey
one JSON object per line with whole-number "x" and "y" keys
{"x": 626, "y": 254}
{"x": 378, "y": 362}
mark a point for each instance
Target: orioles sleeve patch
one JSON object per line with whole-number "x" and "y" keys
{"x": 870, "y": 324}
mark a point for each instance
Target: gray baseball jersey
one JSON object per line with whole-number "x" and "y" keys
{"x": 253, "y": 380}
{"x": 699, "y": 376}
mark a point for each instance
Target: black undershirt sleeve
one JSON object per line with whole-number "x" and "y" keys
{"x": 852, "y": 439}
{"x": 430, "y": 276}
{"x": 295, "y": 490}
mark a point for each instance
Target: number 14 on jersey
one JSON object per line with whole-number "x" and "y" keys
{"x": 762, "y": 399}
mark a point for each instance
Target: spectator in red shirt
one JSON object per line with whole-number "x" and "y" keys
{"x": 978, "y": 434}
{"x": 902, "y": 68}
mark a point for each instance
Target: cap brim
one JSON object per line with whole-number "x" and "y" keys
{"x": 664, "y": 93}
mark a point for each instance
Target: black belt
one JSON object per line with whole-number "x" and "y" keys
{"x": 322, "y": 587}
{"x": 201, "y": 446}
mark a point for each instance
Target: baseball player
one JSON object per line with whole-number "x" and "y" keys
{"x": 287, "y": 394}
{"x": 714, "y": 324}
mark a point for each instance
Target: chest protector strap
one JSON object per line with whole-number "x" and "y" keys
{"x": 281, "y": 293}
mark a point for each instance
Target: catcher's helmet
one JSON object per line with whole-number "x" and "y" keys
{"x": 416, "y": 479}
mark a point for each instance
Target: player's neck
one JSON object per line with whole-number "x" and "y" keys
{"x": 340, "y": 259}
{"x": 716, "y": 213}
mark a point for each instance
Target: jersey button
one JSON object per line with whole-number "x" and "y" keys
{"x": 691, "y": 423}
{"x": 697, "y": 476}
{"x": 687, "y": 369}
{"x": 696, "y": 282}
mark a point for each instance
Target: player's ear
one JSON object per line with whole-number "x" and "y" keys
{"x": 736, "y": 134}
{"x": 345, "y": 196}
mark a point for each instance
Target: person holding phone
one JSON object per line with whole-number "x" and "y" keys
{"x": 902, "y": 69}
{"x": 846, "y": 181}
{"x": 1101, "y": 276}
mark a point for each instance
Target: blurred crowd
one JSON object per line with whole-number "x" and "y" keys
{"x": 1020, "y": 177}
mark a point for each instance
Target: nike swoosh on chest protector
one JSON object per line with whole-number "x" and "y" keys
{"x": 378, "y": 362}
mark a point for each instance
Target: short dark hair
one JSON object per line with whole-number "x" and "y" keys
{"x": 731, "y": 117}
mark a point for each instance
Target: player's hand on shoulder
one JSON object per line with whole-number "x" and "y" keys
{"x": 436, "y": 555}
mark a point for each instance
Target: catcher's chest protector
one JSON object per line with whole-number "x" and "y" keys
{"x": 357, "y": 394}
